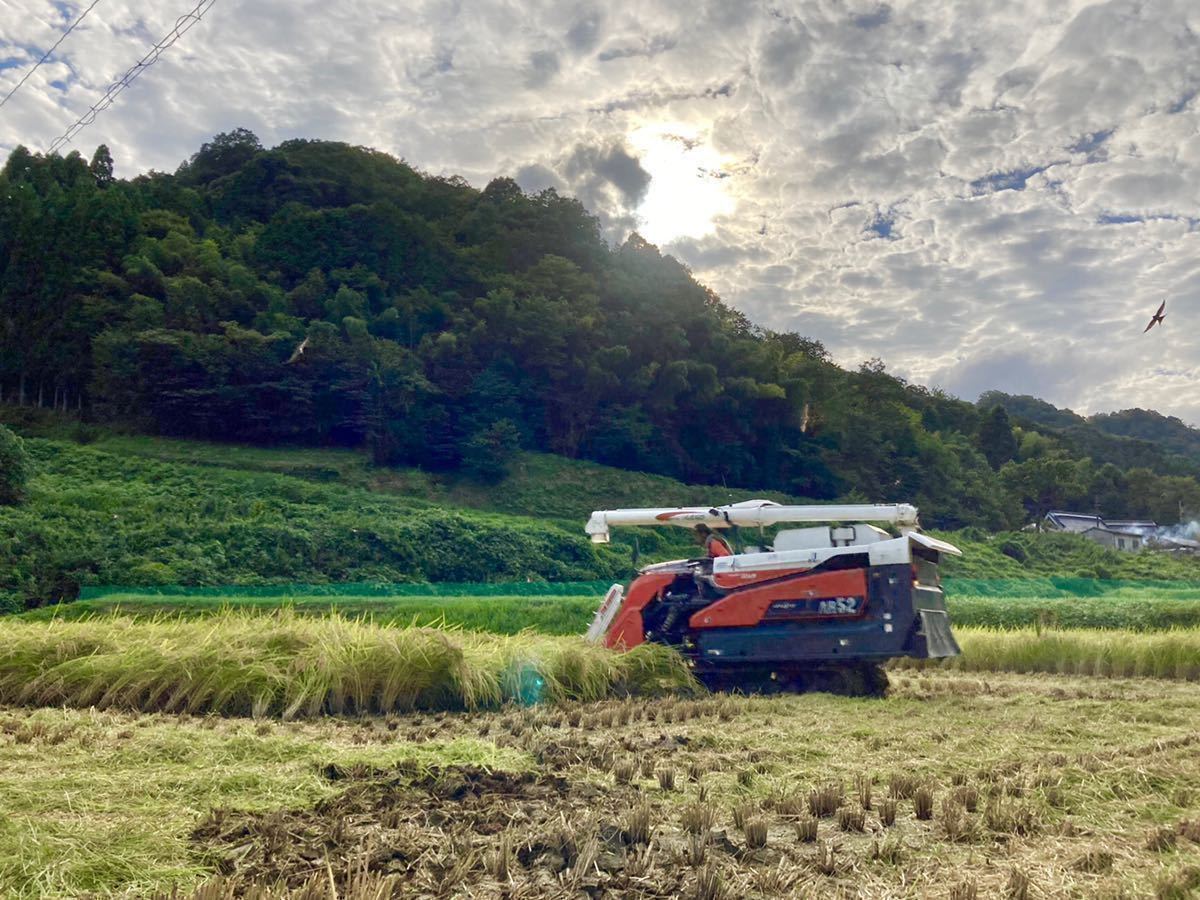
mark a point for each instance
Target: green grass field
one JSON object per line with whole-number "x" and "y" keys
{"x": 541, "y": 485}
{"x": 1073, "y": 603}
{"x": 567, "y": 608}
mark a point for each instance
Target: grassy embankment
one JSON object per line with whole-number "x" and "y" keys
{"x": 144, "y": 511}
{"x": 1071, "y": 787}
{"x": 147, "y": 511}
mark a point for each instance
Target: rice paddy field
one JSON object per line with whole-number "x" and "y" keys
{"x": 373, "y": 741}
{"x": 958, "y": 785}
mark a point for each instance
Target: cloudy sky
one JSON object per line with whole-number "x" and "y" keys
{"x": 983, "y": 194}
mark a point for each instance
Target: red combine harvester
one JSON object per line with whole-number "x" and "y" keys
{"x": 820, "y": 609}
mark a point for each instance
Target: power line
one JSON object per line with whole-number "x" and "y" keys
{"x": 183, "y": 25}
{"x": 38, "y": 64}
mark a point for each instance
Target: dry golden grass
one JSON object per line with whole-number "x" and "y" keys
{"x": 863, "y": 784}
{"x": 698, "y": 818}
{"x": 637, "y": 825}
{"x": 923, "y": 802}
{"x": 851, "y": 818}
{"x": 624, "y": 771}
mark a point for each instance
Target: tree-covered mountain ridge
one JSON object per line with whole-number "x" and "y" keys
{"x": 321, "y": 294}
{"x": 1146, "y": 430}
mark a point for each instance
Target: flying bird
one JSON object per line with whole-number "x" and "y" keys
{"x": 298, "y": 352}
{"x": 1157, "y": 317}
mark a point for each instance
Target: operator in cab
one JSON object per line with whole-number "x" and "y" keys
{"x": 714, "y": 545}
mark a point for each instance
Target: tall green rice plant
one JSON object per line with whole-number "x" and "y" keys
{"x": 1116, "y": 654}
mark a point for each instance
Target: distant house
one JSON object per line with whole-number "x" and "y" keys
{"x": 1145, "y": 528}
{"x": 1116, "y": 535}
{"x": 1115, "y": 540}
{"x": 1077, "y": 523}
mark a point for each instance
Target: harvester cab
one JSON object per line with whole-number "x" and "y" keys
{"x": 822, "y": 608}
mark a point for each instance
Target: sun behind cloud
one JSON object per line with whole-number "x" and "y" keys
{"x": 688, "y": 180}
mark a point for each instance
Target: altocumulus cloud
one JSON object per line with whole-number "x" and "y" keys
{"x": 984, "y": 194}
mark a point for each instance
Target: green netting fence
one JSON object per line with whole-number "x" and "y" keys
{"x": 1068, "y": 588}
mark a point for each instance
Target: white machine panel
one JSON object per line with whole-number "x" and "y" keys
{"x": 829, "y": 536}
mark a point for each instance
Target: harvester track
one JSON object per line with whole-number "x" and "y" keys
{"x": 844, "y": 679}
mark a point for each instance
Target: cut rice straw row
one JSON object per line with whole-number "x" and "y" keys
{"x": 287, "y": 665}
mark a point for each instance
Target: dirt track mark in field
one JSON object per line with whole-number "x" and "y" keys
{"x": 442, "y": 830}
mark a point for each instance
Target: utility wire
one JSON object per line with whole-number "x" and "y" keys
{"x": 38, "y": 64}
{"x": 183, "y": 25}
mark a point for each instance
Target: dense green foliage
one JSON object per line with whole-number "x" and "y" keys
{"x": 14, "y": 467}
{"x": 1031, "y": 410}
{"x": 146, "y": 511}
{"x": 538, "y": 484}
{"x": 1164, "y": 443}
{"x": 323, "y": 294}
{"x": 996, "y": 437}
{"x": 141, "y": 511}
{"x": 1135, "y": 463}
{"x": 1168, "y": 432}
{"x": 98, "y": 518}
{"x": 1067, "y": 559}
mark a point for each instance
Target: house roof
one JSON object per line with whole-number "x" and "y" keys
{"x": 1057, "y": 515}
{"x": 1125, "y": 526}
{"x": 1178, "y": 542}
{"x": 1105, "y": 530}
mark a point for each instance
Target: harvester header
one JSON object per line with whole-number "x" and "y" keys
{"x": 750, "y": 513}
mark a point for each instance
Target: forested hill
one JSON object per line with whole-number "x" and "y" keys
{"x": 323, "y": 294}
{"x": 1138, "y": 436}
